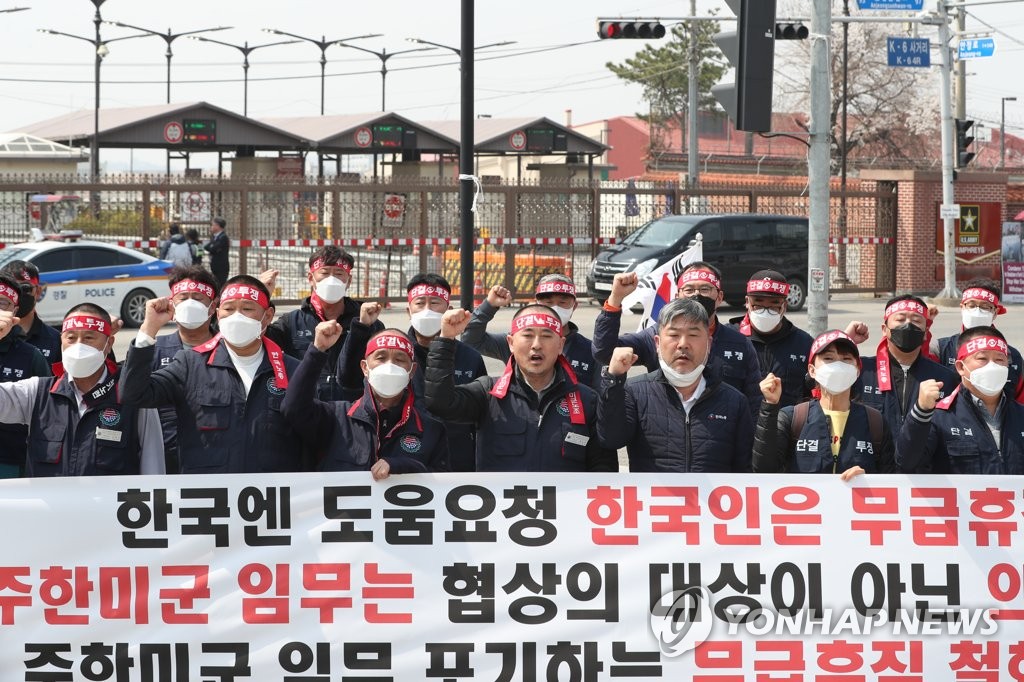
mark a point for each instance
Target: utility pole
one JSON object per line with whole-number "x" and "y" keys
{"x": 818, "y": 170}
{"x": 691, "y": 153}
{"x": 949, "y": 291}
{"x": 961, "y": 65}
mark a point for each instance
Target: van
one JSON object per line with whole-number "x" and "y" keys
{"x": 738, "y": 244}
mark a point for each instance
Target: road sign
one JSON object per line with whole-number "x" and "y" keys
{"x": 949, "y": 211}
{"x": 517, "y": 140}
{"x": 195, "y": 207}
{"x": 971, "y": 48}
{"x": 173, "y": 132}
{"x": 363, "y": 137}
{"x": 908, "y": 51}
{"x": 394, "y": 210}
{"x": 897, "y": 5}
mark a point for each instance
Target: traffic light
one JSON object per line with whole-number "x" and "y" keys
{"x": 751, "y": 51}
{"x": 963, "y": 141}
{"x": 639, "y": 30}
{"x": 791, "y": 30}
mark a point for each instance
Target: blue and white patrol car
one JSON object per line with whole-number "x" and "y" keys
{"x": 73, "y": 271}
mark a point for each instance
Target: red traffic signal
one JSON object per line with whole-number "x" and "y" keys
{"x": 641, "y": 30}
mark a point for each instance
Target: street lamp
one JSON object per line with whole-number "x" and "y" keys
{"x": 457, "y": 50}
{"x": 101, "y": 51}
{"x": 168, "y": 38}
{"x": 1002, "y": 130}
{"x": 383, "y": 56}
{"x": 245, "y": 49}
{"x": 323, "y": 44}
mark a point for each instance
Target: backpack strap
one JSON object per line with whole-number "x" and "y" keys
{"x": 796, "y": 426}
{"x": 876, "y": 429}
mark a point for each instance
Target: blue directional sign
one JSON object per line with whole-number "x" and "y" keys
{"x": 977, "y": 47}
{"x": 897, "y": 5}
{"x": 908, "y": 51}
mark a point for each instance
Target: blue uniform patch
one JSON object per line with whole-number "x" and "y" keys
{"x": 110, "y": 417}
{"x": 272, "y": 387}
{"x": 410, "y": 444}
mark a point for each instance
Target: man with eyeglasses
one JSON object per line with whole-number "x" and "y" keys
{"x": 979, "y": 306}
{"x": 733, "y": 357}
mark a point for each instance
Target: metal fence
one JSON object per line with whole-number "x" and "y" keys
{"x": 396, "y": 229}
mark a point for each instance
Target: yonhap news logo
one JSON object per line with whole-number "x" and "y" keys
{"x": 682, "y": 620}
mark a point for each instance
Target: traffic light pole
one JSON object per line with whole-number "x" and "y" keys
{"x": 467, "y": 242}
{"x": 693, "y": 147}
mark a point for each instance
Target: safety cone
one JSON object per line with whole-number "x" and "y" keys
{"x": 382, "y": 295}
{"x": 478, "y": 291}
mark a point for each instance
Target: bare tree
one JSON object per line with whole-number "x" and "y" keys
{"x": 892, "y": 111}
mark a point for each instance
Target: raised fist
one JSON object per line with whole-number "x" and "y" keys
{"x": 454, "y": 323}
{"x": 499, "y": 296}
{"x": 369, "y": 312}
{"x": 771, "y": 389}
{"x": 7, "y": 322}
{"x": 858, "y": 331}
{"x": 159, "y": 312}
{"x": 929, "y": 394}
{"x": 269, "y": 279}
{"x": 326, "y": 335}
{"x": 622, "y": 359}
{"x": 623, "y": 285}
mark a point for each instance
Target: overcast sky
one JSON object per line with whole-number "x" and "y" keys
{"x": 42, "y": 76}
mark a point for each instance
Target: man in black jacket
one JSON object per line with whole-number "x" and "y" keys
{"x": 218, "y": 248}
{"x": 536, "y": 416}
{"x": 680, "y": 417}
{"x": 329, "y": 276}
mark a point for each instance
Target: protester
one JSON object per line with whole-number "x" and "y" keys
{"x": 78, "y": 425}
{"x": 218, "y": 247}
{"x": 329, "y": 276}
{"x": 42, "y": 336}
{"x": 979, "y": 306}
{"x": 429, "y": 297}
{"x": 227, "y": 393}
{"x": 194, "y": 293}
{"x": 559, "y": 293}
{"x": 732, "y": 355}
{"x": 830, "y": 433}
{"x": 18, "y": 360}
{"x": 680, "y": 417}
{"x": 387, "y": 430}
{"x": 889, "y": 381}
{"x": 537, "y": 416}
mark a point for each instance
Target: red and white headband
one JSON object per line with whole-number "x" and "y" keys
{"x": 905, "y": 306}
{"x": 86, "y": 323}
{"x": 389, "y": 341}
{"x": 244, "y": 292}
{"x": 699, "y": 276}
{"x": 188, "y": 286}
{"x": 320, "y": 263}
{"x": 981, "y": 343}
{"x": 983, "y": 295}
{"x": 542, "y": 320}
{"x": 10, "y": 293}
{"x": 26, "y": 276}
{"x": 767, "y": 286}
{"x": 556, "y": 287}
{"x": 827, "y": 339}
{"x": 429, "y": 290}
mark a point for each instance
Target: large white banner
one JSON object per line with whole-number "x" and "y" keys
{"x": 333, "y": 577}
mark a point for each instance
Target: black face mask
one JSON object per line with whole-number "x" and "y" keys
{"x": 708, "y": 303}
{"x": 26, "y": 299}
{"x": 907, "y": 337}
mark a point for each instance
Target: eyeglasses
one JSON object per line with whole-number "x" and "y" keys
{"x": 704, "y": 290}
{"x": 984, "y": 305}
{"x": 764, "y": 309}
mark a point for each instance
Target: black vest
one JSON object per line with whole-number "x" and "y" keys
{"x": 103, "y": 441}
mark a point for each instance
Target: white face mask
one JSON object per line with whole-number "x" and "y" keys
{"x": 427, "y": 322}
{"x": 765, "y": 321}
{"x": 239, "y": 330}
{"x": 990, "y": 378}
{"x": 388, "y": 380}
{"x": 836, "y": 377}
{"x": 681, "y": 379}
{"x": 81, "y": 360}
{"x": 564, "y": 314}
{"x": 331, "y": 289}
{"x": 191, "y": 314}
{"x": 976, "y": 317}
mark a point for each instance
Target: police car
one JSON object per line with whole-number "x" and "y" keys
{"x": 73, "y": 271}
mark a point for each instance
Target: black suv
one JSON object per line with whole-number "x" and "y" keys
{"x": 738, "y": 244}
